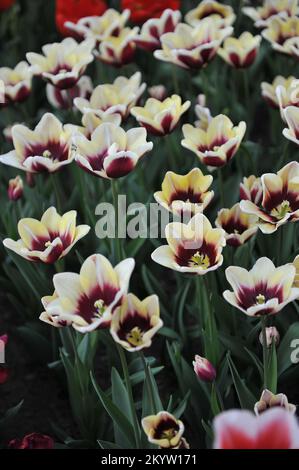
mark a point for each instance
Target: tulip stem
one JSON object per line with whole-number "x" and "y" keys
{"x": 57, "y": 193}
{"x": 148, "y": 384}
{"x": 118, "y": 250}
{"x": 220, "y": 186}
{"x": 125, "y": 369}
{"x": 175, "y": 80}
{"x": 265, "y": 350}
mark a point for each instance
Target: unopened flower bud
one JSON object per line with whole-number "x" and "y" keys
{"x": 15, "y": 188}
{"x": 204, "y": 369}
{"x": 158, "y": 91}
{"x": 271, "y": 335}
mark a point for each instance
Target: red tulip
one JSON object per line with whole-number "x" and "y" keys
{"x": 5, "y": 4}
{"x": 142, "y": 10}
{"x": 73, "y": 10}
{"x": 32, "y": 441}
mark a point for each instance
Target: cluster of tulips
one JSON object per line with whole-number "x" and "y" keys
{"x": 105, "y": 139}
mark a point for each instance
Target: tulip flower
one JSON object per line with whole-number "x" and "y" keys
{"x": 193, "y": 248}
{"x": 192, "y": 48}
{"x": 70, "y": 11}
{"x": 160, "y": 117}
{"x": 163, "y": 429}
{"x": 291, "y": 114}
{"x": 152, "y": 30}
{"x": 5, "y": 4}
{"x": 49, "y": 239}
{"x": 110, "y": 23}
{"x": 135, "y": 322}
{"x": 285, "y": 96}
{"x": 270, "y": 400}
{"x": 111, "y": 152}
{"x": 63, "y": 99}
{"x": 17, "y": 82}
{"x": 296, "y": 264}
{"x": 216, "y": 145}
{"x": 271, "y": 335}
{"x": 263, "y": 15}
{"x": 118, "y": 50}
{"x": 32, "y": 441}
{"x": 223, "y": 15}
{"x": 280, "y": 203}
{"x": 283, "y": 35}
{"x": 159, "y": 92}
{"x": 240, "y": 52}
{"x": 251, "y": 189}
{"x": 46, "y": 148}
{"x": 241, "y": 429}
{"x": 204, "y": 369}
{"x": 88, "y": 300}
{"x": 238, "y": 226}
{"x": 143, "y": 10}
{"x": 15, "y": 188}
{"x": 62, "y": 63}
{"x": 90, "y": 122}
{"x": 185, "y": 194}
{"x": 264, "y": 290}
{"x": 203, "y": 114}
{"x": 117, "y": 98}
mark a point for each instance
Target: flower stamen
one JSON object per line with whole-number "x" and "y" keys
{"x": 134, "y": 337}
{"x": 280, "y": 211}
{"x": 99, "y": 305}
{"x": 260, "y": 299}
{"x": 200, "y": 259}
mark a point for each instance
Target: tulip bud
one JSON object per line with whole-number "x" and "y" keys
{"x": 15, "y": 188}
{"x": 204, "y": 369}
{"x": 271, "y": 335}
{"x": 201, "y": 100}
{"x": 158, "y": 92}
{"x": 4, "y": 339}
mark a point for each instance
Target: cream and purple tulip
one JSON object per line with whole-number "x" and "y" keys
{"x": 204, "y": 370}
{"x": 263, "y": 15}
{"x": 222, "y": 15}
{"x": 251, "y": 189}
{"x": 48, "y": 239}
{"x": 240, "y": 52}
{"x": 152, "y": 30}
{"x": 87, "y": 300}
{"x": 17, "y": 83}
{"x": 264, "y": 290}
{"x": 270, "y": 400}
{"x": 163, "y": 430}
{"x": 15, "y": 188}
{"x": 238, "y": 226}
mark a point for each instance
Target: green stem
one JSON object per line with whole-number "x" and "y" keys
{"x": 220, "y": 186}
{"x": 148, "y": 384}
{"x": 265, "y": 349}
{"x": 130, "y": 394}
{"x": 175, "y": 80}
{"x": 114, "y": 190}
{"x": 57, "y": 193}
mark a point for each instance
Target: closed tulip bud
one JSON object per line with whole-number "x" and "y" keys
{"x": 158, "y": 92}
{"x": 204, "y": 369}
{"x": 271, "y": 335}
{"x": 15, "y": 188}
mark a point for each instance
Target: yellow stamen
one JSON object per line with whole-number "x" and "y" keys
{"x": 100, "y": 307}
{"x": 134, "y": 337}
{"x": 47, "y": 154}
{"x": 260, "y": 299}
{"x": 199, "y": 259}
{"x": 280, "y": 211}
{"x": 48, "y": 243}
{"x": 168, "y": 434}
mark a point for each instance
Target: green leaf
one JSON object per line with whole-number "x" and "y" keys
{"x": 246, "y": 398}
{"x": 39, "y": 346}
{"x": 121, "y": 399}
{"x": 114, "y": 412}
{"x": 108, "y": 445}
{"x": 272, "y": 369}
{"x": 286, "y": 349}
{"x": 179, "y": 411}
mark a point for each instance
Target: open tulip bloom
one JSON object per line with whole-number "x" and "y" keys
{"x": 216, "y": 145}
{"x": 118, "y": 50}
{"x": 90, "y": 122}
{"x": 87, "y": 300}
{"x": 280, "y": 93}
{"x": 263, "y": 15}
{"x": 280, "y": 203}
{"x": 63, "y": 99}
{"x": 116, "y": 98}
{"x": 163, "y": 429}
{"x": 193, "y": 248}
{"x": 17, "y": 82}
{"x": 238, "y": 226}
{"x": 49, "y": 239}
{"x": 283, "y": 35}
{"x": 192, "y": 47}
{"x": 160, "y": 117}
{"x": 152, "y": 29}
{"x": 270, "y": 400}
{"x": 185, "y": 194}
{"x": 47, "y": 148}
{"x": 223, "y": 15}
{"x": 111, "y": 152}
{"x": 240, "y": 52}
{"x": 291, "y": 114}
{"x": 62, "y": 64}
{"x": 264, "y": 290}
{"x": 251, "y": 189}
{"x": 241, "y": 429}
{"x": 110, "y": 23}
{"x": 135, "y": 322}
